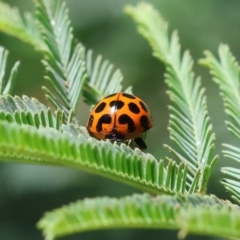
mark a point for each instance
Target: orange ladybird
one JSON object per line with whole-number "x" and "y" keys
{"x": 120, "y": 117}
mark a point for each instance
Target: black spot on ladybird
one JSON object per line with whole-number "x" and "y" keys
{"x": 144, "y": 122}
{"x": 133, "y": 108}
{"x": 128, "y": 95}
{"x": 100, "y": 107}
{"x": 106, "y": 118}
{"x": 125, "y": 119}
{"x": 90, "y": 121}
{"x": 143, "y": 105}
{"x": 117, "y": 104}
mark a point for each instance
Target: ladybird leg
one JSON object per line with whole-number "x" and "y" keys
{"x": 141, "y": 144}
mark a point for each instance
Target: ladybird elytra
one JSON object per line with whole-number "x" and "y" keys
{"x": 120, "y": 117}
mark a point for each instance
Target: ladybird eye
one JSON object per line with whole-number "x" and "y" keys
{"x": 143, "y": 105}
{"x": 128, "y": 95}
{"x": 133, "y": 108}
{"x": 100, "y": 107}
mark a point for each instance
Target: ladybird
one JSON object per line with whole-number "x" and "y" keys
{"x": 120, "y": 117}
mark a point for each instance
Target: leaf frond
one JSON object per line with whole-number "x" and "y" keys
{"x": 145, "y": 211}
{"x": 232, "y": 186}
{"x": 29, "y": 111}
{"x": 225, "y": 73}
{"x": 74, "y": 148}
{"x": 189, "y": 124}
{"x": 6, "y": 84}
{"x": 64, "y": 60}
{"x": 22, "y": 26}
{"x": 99, "y": 78}
{"x": 102, "y": 80}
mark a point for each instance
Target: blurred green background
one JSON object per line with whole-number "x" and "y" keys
{"x": 27, "y": 191}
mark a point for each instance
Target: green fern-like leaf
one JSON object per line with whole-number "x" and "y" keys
{"x": 74, "y": 148}
{"x": 195, "y": 214}
{"x": 102, "y": 81}
{"x": 233, "y": 186}
{"x": 225, "y": 72}
{"x": 190, "y": 126}
{"x": 6, "y": 85}
{"x": 22, "y": 26}
{"x": 65, "y": 59}
{"x": 30, "y": 112}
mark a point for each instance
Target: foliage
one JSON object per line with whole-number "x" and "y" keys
{"x": 189, "y": 123}
{"x": 6, "y": 85}
{"x": 225, "y": 72}
{"x": 33, "y": 133}
{"x": 64, "y": 60}
{"x": 145, "y": 211}
{"x": 76, "y": 149}
{"x": 22, "y": 26}
{"x": 102, "y": 81}
{"x": 29, "y": 111}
